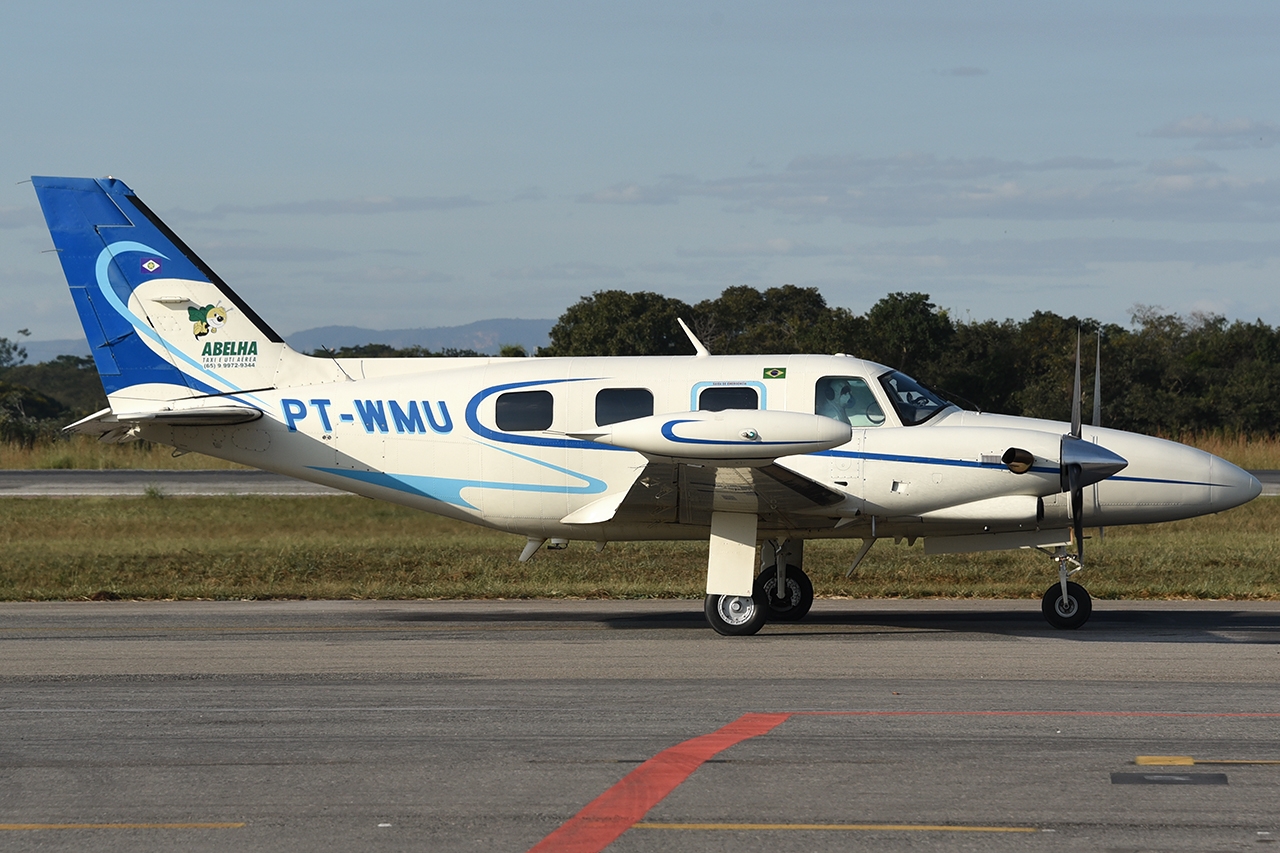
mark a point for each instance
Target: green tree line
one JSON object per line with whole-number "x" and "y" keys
{"x": 1163, "y": 374}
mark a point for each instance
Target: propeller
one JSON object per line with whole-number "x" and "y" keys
{"x": 1083, "y": 462}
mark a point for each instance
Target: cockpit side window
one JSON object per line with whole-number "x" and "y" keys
{"x": 720, "y": 397}
{"x": 847, "y": 399}
{"x": 914, "y": 403}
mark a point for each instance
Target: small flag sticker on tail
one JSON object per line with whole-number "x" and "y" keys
{"x": 151, "y": 266}
{"x": 775, "y": 373}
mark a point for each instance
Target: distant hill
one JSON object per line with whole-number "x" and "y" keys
{"x": 482, "y": 336}
{"x": 42, "y": 351}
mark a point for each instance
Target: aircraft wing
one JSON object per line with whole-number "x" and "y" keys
{"x": 673, "y": 492}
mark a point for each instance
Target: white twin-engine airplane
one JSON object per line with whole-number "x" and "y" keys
{"x": 739, "y": 450}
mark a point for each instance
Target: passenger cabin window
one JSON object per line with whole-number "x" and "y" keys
{"x": 717, "y": 398}
{"x": 849, "y": 400}
{"x": 615, "y": 405}
{"x": 914, "y": 403}
{"x": 524, "y": 411}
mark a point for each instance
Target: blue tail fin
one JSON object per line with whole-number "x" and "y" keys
{"x": 160, "y": 323}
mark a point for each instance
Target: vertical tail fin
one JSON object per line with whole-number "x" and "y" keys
{"x": 160, "y": 323}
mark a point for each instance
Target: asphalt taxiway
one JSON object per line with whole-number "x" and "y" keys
{"x": 630, "y": 725}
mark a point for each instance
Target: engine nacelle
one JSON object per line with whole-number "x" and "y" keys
{"x": 739, "y": 437}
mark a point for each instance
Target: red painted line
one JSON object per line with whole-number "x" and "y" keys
{"x": 612, "y": 813}
{"x": 1139, "y": 714}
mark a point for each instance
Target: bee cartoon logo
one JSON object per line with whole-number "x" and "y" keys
{"x": 208, "y": 319}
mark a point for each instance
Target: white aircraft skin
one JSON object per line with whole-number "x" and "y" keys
{"x": 533, "y": 446}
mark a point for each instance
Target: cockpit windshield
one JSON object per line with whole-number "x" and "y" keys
{"x": 914, "y": 403}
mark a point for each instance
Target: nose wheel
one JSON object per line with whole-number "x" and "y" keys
{"x": 1069, "y": 611}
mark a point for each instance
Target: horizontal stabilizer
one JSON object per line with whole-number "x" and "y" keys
{"x": 114, "y": 427}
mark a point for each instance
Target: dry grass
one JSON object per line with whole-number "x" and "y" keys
{"x": 1252, "y": 454}
{"x": 259, "y": 547}
{"x": 85, "y": 453}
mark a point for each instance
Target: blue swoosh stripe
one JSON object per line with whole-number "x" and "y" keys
{"x": 449, "y": 489}
{"x": 473, "y": 420}
{"x": 105, "y": 258}
{"x": 668, "y": 431}
{"x": 961, "y": 463}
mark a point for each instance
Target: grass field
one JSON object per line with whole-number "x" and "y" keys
{"x": 83, "y": 452}
{"x": 267, "y": 547}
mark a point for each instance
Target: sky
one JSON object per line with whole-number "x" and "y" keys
{"x": 421, "y": 164}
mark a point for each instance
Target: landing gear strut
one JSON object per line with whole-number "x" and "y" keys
{"x": 1066, "y": 604}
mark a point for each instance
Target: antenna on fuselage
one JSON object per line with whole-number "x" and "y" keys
{"x": 699, "y": 349}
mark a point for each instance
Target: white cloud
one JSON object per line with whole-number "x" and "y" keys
{"x": 770, "y": 247}
{"x": 632, "y": 194}
{"x": 373, "y": 275}
{"x": 19, "y": 217}
{"x": 335, "y": 207}
{"x": 561, "y": 272}
{"x": 1067, "y": 257}
{"x": 1184, "y": 166}
{"x": 921, "y": 189}
{"x": 1218, "y": 135}
{"x": 241, "y": 253}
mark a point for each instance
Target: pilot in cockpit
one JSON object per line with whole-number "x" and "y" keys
{"x": 849, "y": 401}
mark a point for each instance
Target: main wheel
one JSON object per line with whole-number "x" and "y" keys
{"x": 735, "y": 615}
{"x": 797, "y": 598}
{"x": 1071, "y": 612}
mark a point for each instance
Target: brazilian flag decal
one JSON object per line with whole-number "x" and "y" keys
{"x": 775, "y": 373}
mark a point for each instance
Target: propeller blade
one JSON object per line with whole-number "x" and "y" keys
{"x": 1075, "y": 393}
{"x": 1077, "y": 509}
{"x": 1097, "y": 383}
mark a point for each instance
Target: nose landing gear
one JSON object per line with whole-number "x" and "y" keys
{"x": 1066, "y": 604}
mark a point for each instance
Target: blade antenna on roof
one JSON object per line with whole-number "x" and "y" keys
{"x": 698, "y": 348}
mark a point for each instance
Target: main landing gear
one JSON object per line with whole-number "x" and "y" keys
{"x": 735, "y": 615}
{"x": 782, "y": 592}
{"x": 1066, "y": 604}
{"x": 788, "y": 601}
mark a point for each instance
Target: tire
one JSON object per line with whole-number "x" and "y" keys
{"x": 735, "y": 615}
{"x": 799, "y": 596}
{"x": 1070, "y": 614}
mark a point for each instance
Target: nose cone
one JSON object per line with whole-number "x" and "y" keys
{"x": 1231, "y": 486}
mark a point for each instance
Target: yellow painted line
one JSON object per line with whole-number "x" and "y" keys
{"x": 27, "y": 827}
{"x": 1187, "y": 760}
{"x": 839, "y": 827}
